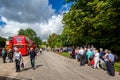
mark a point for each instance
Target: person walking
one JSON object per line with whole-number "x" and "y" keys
{"x": 96, "y": 59}
{"x": 32, "y": 57}
{"x": 4, "y": 54}
{"x": 111, "y": 59}
{"x": 10, "y": 55}
{"x": 40, "y": 50}
{"x": 18, "y": 58}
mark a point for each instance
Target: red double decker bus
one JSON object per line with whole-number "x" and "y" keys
{"x": 23, "y": 44}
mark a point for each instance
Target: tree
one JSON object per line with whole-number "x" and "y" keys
{"x": 94, "y": 22}
{"x": 2, "y": 42}
{"x": 21, "y": 32}
{"x": 31, "y": 34}
{"x": 54, "y": 40}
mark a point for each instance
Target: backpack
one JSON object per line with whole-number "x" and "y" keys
{"x": 3, "y": 52}
{"x": 116, "y": 58}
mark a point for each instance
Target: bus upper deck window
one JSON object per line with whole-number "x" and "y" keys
{"x": 20, "y": 46}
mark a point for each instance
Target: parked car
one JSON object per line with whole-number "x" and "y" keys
{"x": 67, "y": 49}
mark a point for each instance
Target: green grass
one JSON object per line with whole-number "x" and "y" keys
{"x": 66, "y": 54}
{"x": 117, "y": 66}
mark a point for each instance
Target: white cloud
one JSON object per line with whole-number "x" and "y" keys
{"x": 35, "y": 14}
{"x": 26, "y": 10}
{"x": 43, "y": 30}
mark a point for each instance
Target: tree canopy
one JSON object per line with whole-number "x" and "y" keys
{"x": 54, "y": 40}
{"x": 31, "y": 34}
{"x": 93, "y": 22}
{"x": 2, "y": 42}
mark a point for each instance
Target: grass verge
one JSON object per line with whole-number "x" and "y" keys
{"x": 117, "y": 66}
{"x": 66, "y": 54}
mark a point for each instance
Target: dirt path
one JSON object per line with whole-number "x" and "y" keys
{"x": 51, "y": 66}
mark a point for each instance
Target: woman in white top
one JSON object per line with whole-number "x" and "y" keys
{"x": 17, "y": 57}
{"x": 96, "y": 59}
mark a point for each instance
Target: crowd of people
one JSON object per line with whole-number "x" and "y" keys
{"x": 95, "y": 58}
{"x": 16, "y": 56}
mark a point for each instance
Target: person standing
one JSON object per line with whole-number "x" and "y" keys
{"x": 81, "y": 52}
{"x": 18, "y": 58}
{"x": 85, "y": 55}
{"x": 32, "y": 57}
{"x": 4, "y": 54}
{"x": 111, "y": 59}
{"x": 96, "y": 59}
{"x": 106, "y": 60}
{"x": 102, "y": 63}
{"x": 77, "y": 56}
{"x": 73, "y": 54}
{"x": 89, "y": 55}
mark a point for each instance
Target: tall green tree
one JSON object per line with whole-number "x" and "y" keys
{"x": 95, "y": 21}
{"x": 2, "y": 42}
{"x": 31, "y": 34}
{"x": 54, "y": 40}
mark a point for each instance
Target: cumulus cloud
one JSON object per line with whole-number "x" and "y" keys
{"x": 28, "y": 11}
{"x": 43, "y": 30}
{"x": 35, "y": 14}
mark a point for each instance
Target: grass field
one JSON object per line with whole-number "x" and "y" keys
{"x": 66, "y": 54}
{"x": 117, "y": 66}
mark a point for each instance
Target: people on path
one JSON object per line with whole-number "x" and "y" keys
{"x": 85, "y": 55}
{"x": 18, "y": 58}
{"x": 40, "y": 50}
{"x": 111, "y": 59}
{"x": 10, "y": 55}
{"x": 32, "y": 57}
{"x": 73, "y": 54}
{"x": 106, "y": 61}
{"x": 4, "y": 54}
{"x": 102, "y": 63}
{"x": 89, "y": 56}
{"x": 77, "y": 54}
{"x": 96, "y": 59}
{"x": 81, "y": 52}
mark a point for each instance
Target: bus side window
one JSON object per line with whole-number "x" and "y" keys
{"x": 20, "y": 46}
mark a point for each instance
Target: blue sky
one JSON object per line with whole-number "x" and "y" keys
{"x": 56, "y": 4}
{"x": 43, "y": 16}
{"x": 2, "y": 23}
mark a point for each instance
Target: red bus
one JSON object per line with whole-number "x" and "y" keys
{"x": 22, "y": 43}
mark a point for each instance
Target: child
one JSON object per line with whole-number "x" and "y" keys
{"x": 92, "y": 63}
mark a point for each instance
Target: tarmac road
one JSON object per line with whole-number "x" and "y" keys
{"x": 51, "y": 66}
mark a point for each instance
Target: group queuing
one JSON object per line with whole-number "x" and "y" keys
{"x": 16, "y": 55}
{"x": 95, "y": 58}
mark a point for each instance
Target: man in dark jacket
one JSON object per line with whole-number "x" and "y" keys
{"x": 10, "y": 55}
{"x": 32, "y": 57}
{"x": 111, "y": 59}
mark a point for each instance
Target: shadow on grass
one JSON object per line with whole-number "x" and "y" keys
{"x": 28, "y": 68}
